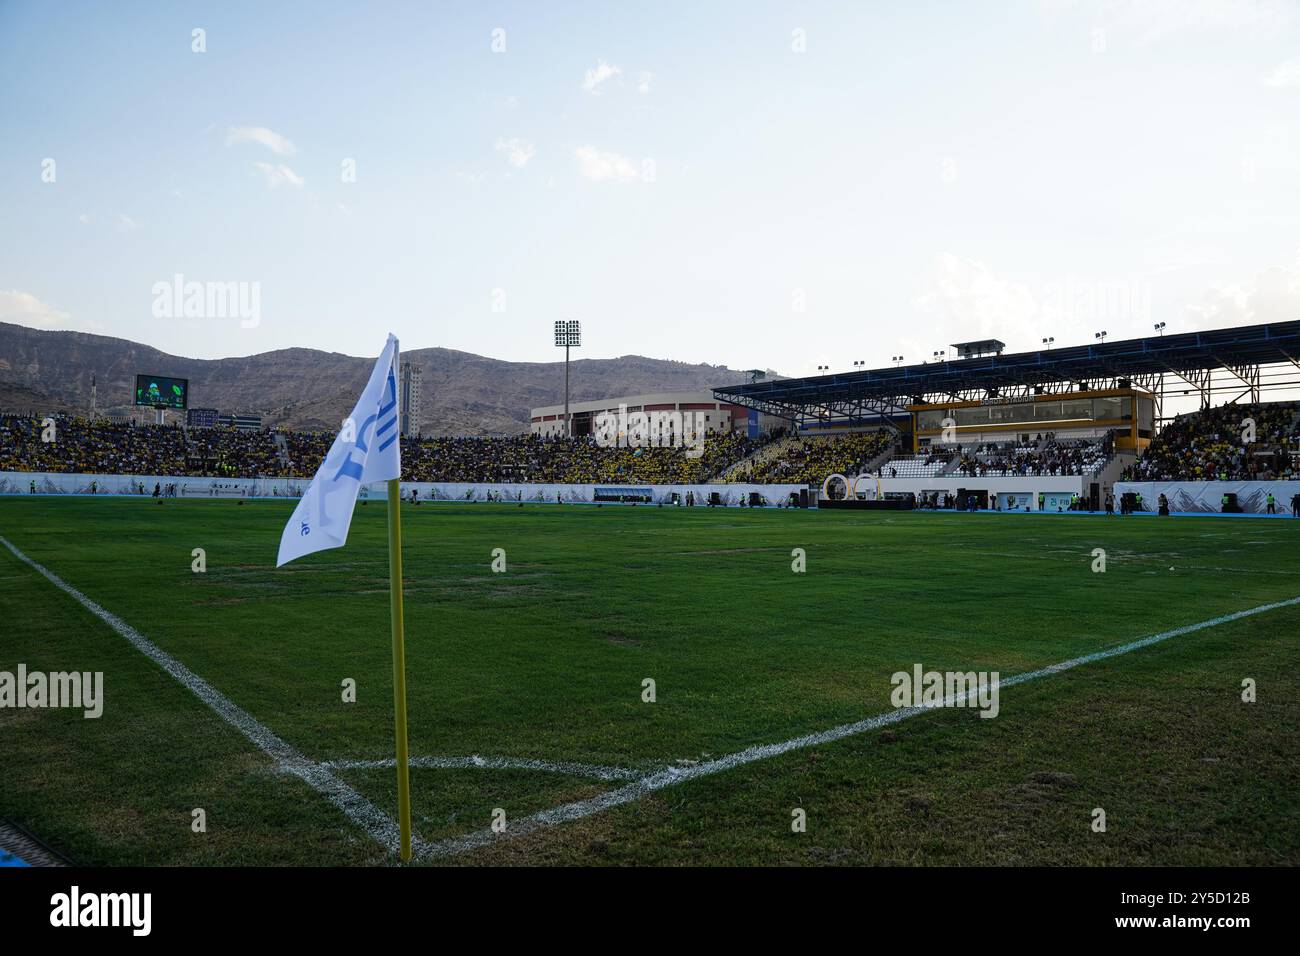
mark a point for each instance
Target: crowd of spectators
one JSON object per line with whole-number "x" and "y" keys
{"x": 1229, "y": 443}
{"x": 94, "y": 447}
{"x": 104, "y": 447}
{"x": 229, "y": 451}
{"x": 811, "y": 459}
{"x": 1046, "y": 456}
{"x": 529, "y": 458}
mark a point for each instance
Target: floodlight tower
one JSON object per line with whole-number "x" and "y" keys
{"x": 567, "y": 334}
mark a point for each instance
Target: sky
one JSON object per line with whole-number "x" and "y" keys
{"x": 758, "y": 184}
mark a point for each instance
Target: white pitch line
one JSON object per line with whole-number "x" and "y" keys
{"x": 493, "y": 763}
{"x": 673, "y": 776}
{"x": 357, "y": 808}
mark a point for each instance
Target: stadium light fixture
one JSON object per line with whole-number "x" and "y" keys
{"x": 897, "y": 360}
{"x": 860, "y": 363}
{"x": 1100, "y": 336}
{"x": 940, "y": 354}
{"x": 1160, "y": 327}
{"x": 823, "y": 368}
{"x": 1048, "y": 342}
{"x": 568, "y": 334}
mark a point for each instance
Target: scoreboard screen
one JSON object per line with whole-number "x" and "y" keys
{"x": 160, "y": 391}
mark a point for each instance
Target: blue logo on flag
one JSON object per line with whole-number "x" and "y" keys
{"x": 387, "y": 419}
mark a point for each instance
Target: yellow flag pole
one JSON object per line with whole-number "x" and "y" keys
{"x": 399, "y": 664}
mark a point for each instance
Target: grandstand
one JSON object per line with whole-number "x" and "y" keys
{"x": 1078, "y": 422}
{"x": 1208, "y": 445}
{"x": 1195, "y": 447}
{"x": 1073, "y": 421}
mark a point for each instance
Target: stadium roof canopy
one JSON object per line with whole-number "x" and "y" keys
{"x": 1193, "y": 357}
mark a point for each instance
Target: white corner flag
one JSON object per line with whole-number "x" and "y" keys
{"x": 366, "y": 450}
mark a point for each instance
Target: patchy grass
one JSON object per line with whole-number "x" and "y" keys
{"x": 547, "y": 661}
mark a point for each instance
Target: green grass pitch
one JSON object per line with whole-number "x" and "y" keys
{"x": 546, "y": 661}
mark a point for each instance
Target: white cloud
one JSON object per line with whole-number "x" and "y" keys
{"x": 518, "y": 151}
{"x": 968, "y": 302}
{"x": 1272, "y": 296}
{"x": 1268, "y": 154}
{"x": 280, "y": 145}
{"x": 643, "y": 83}
{"x": 85, "y": 219}
{"x": 1284, "y": 74}
{"x": 278, "y": 175}
{"x": 604, "y": 167}
{"x": 125, "y": 223}
{"x": 1153, "y": 19}
{"x": 594, "y": 78}
{"x": 24, "y": 308}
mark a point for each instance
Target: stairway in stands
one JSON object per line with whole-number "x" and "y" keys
{"x": 874, "y": 466}
{"x": 282, "y": 450}
{"x": 192, "y": 449}
{"x": 767, "y": 452}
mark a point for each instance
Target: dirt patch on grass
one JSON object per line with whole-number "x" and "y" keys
{"x": 621, "y": 638}
{"x": 1043, "y": 786}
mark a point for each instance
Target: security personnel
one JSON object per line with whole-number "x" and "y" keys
{"x": 1223, "y": 505}
{"x": 1272, "y": 504}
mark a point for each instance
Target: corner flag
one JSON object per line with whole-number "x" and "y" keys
{"x": 366, "y": 450}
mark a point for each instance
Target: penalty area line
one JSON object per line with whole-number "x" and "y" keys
{"x": 672, "y": 776}
{"x": 287, "y": 758}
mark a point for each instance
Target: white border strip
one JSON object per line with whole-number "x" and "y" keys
{"x": 288, "y": 759}
{"x": 673, "y": 776}
{"x": 476, "y": 762}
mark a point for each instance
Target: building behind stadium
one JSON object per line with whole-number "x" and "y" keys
{"x": 720, "y": 417}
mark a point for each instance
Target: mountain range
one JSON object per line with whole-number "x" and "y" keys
{"x": 462, "y": 393}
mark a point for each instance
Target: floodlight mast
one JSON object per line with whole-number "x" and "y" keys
{"x": 568, "y": 334}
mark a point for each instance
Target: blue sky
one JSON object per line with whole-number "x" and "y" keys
{"x": 777, "y": 185}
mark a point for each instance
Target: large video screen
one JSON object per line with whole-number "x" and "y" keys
{"x": 158, "y": 390}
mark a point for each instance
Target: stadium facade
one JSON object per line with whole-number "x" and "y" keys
{"x": 720, "y": 417}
